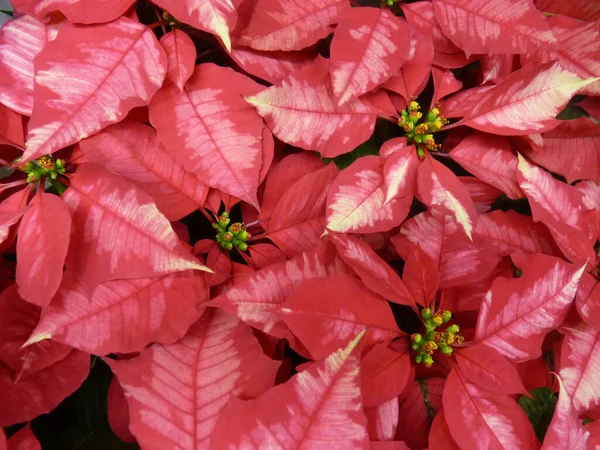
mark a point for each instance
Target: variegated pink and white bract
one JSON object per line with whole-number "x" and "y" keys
{"x": 277, "y": 224}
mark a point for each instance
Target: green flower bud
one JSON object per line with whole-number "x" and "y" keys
{"x": 445, "y": 349}
{"x": 419, "y": 358}
{"x": 453, "y": 329}
{"x": 427, "y": 360}
{"x": 426, "y": 313}
{"x": 416, "y": 338}
{"x": 432, "y": 114}
{"x": 446, "y": 316}
{"x": 242, "y": 246}
{"x": 431, "y": 336}
{"x": 416, "y": 347}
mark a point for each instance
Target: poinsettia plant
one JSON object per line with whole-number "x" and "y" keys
{"x": 281, "y": 225}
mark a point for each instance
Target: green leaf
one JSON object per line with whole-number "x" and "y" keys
{"x": 572, "y": 111}
{"x": 343, "y": 161}
{"x": 539, "y": 409}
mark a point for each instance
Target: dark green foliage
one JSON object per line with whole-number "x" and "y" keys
{"x": 539, "y": 409}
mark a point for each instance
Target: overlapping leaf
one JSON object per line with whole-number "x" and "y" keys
{"x": 509, "y": 232}
{"x": 517, "y": 314}
{"x": 214, "y": 16}
{"x": 281, "y": 177}
{"x": 578, "y": 9}
{"x": 301, "y": 111}
{"x": 76, "y": 11}
{"x": 572, "y": 149}
{"x": 355, "y": 202}
{"x": 526, "y": 102}
{"x": 413, "y": 75}
{"x": 457, "y": 259}
{"x": 495, "y": 421}
{"x": 24, "y": 439}
{"x": 491, "y": 159}
{"x": 421, "y": 16}
{"x": 18, "y": 318}
{"x": 42, "y": 247}
{"x": 400, "y": 165}
{"x": 75, "y": 100}
{"x": 375, "y": 273}
{"x": 124, "y": 315}
{"x": 350, "y": 308}
{"x": 25, "y": 375}
{"x": 587, "y": 298}
{"x": 368, "y": 47}
{"x": 11, "y": 211}
{"x": 439, "y": 188}
{"x": 300, "y": 412}
{"x": 560, "y": 207}
{"x": 181, "y": 57}
{"x": 298, "y": 220}
{"x": 565, "y": 430}
{"x": 270, "y": 287}
{"x": 271, "y": 66}
{"x": 276, "y": 25}
{"x": 176, "y": 392}
{"x": 577, "y": 52}
{"x": 382, "y": 421}
{"x": 118, "y": 231}
{"x": 494, "y": 26}
{"x": 20, "y": 42}
{"x": 133, "y": 151}
{"x": 439, "y": 435}
{"x": 209, "y": 129}
{"x": 580, "y": 366}
{"x": 489, "y": 370}
{"x": 384, "y": 374}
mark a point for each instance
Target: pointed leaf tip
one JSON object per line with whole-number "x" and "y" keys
{"x": 35, "y": 338}
{"x": 252, "y": 100}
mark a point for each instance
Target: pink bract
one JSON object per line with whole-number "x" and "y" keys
{"x": 278, "y": 224}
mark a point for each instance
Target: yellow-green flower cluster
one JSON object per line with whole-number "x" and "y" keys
{"x": 43, "y": 167}
{"x": 420, "y": 131}
{"x": 229, "y": 236}
{"x": 426, "y": 345}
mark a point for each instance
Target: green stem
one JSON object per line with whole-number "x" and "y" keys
{"x": 60, "y": 187}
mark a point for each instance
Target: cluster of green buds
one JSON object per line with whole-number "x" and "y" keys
{"x": 229, "y": 236}
{"x": 43, "y": 167}
{"x": 421, "y": 131}
{"x": 434, "y": 340}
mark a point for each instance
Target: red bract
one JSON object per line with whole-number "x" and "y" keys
{"x": 131, "y": 71}
{"x": 299, "y": 413}
{"x": 300, "y": 224}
